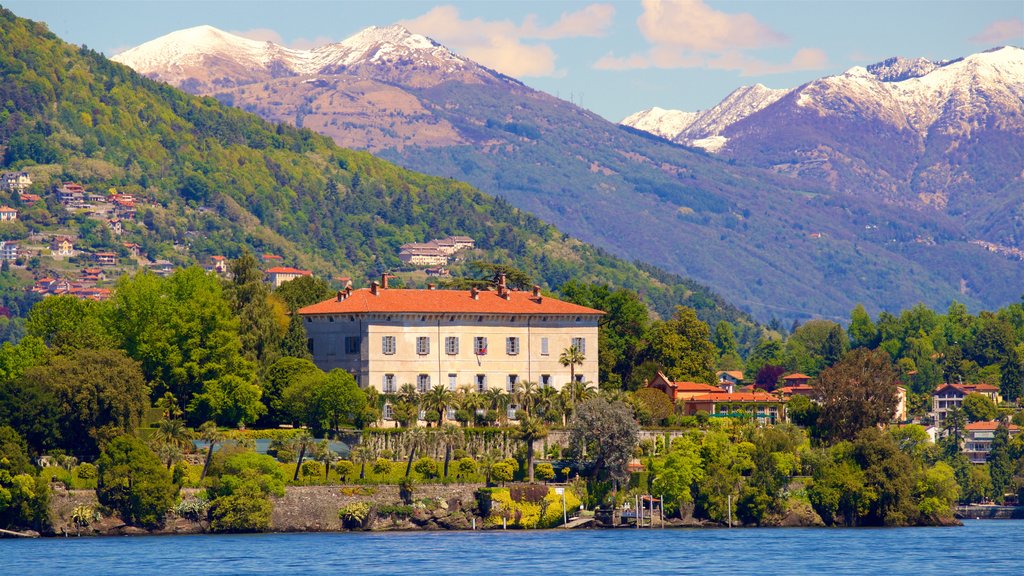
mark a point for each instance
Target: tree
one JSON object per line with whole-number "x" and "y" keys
{"x": 682, "y": 347}
{"x": 296, "y": 340}
{"x": 260, "y": 328}
{"x": 1001, "y": 464}
{"x": 656, "y": 403}
{"x": 438, "y": 399}
{"x": 209, "y": 433}
{"x": 133, "y": 481}
{"x": 571, "y": 357}
{"x": 67, "y": 323}
{"x": 767, "y": 377}
{"x": 856, "y": 393}
{"x": 171, "y": 438}
{"x": 862, "y": 331}
{"x": 300, "y": 443}
{"x": 415, "y": 440}
{"x": 530, "y": 430}
{"x": 276, "y": 378}
{"x": 681, "y": 470}
{"x": 604, "y": 433}
{"x": 451, "y": 437}
{"x": 324, "y": 400}
{"x": 240, "y": 492}
{"x": 339, "y": 398}
{"x": 231, "y": 400}
{"x": 99, "y": 394}
{"x": 362, "y": 455}
{"x": 184, "y": 333}
{"x": 14, "y": 452}
{"x": 303, "y": 291}
{"x": 979, "y": 408}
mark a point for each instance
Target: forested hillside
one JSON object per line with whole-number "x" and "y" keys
{"x": 214, "y": 180}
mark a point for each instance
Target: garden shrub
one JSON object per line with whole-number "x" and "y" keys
{"x": 355, "y": 515}
{"x": 311, "y": 468}
{"x": 544, "y": 471}
{"x": 426, "y": 467}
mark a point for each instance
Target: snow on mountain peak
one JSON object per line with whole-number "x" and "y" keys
{"x": 182, "y": 54}
{"x": 191, "y": 45}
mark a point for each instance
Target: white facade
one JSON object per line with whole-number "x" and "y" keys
{"x": 467, "y": 348}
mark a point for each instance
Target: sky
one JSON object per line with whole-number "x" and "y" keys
{"x": 615, "y": 58}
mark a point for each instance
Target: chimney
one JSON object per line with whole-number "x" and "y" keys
{"x": 502, "y": 287}
{"x": 341, "y": 295}
{"x": 536, "y": 291}
{"x": 374, "y": 288}
{"x": 348, "y": 290}
{"x": 431, "y": 286}
{"x": 474, "y": 293}
{"x": 384, "y": 280}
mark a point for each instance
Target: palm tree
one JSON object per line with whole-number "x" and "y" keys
{"x": 300, "y": 442}
{"x": 549, "y": 404}
{"x": 576, "y": 392}
{"x": 525, "y": 396}
{"x": 498, "y": 401}
{"x": 416, "y": 439}
{"x": 172, "y": 438}
{"x": 451, "y": 437}
{"x": 362, "y": 455}
{"x": 571, "y": 357}
{"x": 326, "y": 455}
{"x": 209, "y": 433}
{"x": 530, "y": 430}
{"x": 438, "y": 398}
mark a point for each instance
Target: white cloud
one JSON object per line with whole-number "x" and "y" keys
{"x": 499, "y": 44}
{"x": 1001, "y": 32}
{"x": 592, "y": 21}
{"x": 691, "y": 34}
{"x": 693, "y": 25}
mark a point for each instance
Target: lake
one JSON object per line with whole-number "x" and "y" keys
{"x": 980, "y": 547}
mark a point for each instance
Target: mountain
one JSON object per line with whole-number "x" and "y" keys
{"x": 212, "y": 180}
{"x": 911, "y": 133}
{"x": 779, "y": 242}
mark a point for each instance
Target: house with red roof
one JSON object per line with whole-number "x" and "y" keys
{"x": 950, "y": 396}
{"x": 756, "y": 404}
{"x": 481, "y": 339}
{"x": 8, "y": 214}
{"x": 797, "y": 379}
{"x": 281, "y": 274}
{"x": 681, "y": 391}
{"x": 978, "y": 439}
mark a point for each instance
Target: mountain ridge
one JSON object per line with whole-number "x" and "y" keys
{"x": 761, "y": 232}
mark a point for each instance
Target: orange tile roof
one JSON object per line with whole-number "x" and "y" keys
{"x": 737, "y": 374}
{"x": 446, "y": 302}
{"x": 796, "y": 389}
{"x": 287, "y": 270}
{"x": 797, "y": 376}
{"x": 990, "y": 425}
{"x": 738, "y": 397}
{"x": 696, "y": 387}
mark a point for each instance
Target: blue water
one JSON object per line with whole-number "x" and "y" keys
{"x": 980, "y": 547}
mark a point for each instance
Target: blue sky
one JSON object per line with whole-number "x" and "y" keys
{"x": 612, "y": 57}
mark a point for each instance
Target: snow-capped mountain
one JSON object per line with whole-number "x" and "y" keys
{"x": 704, "y": 128}
{"x": 905, "y": 93}
{"x": 665, "y": 123}
{"x": 843, "y": 190}
{"x": 204, "y": 59}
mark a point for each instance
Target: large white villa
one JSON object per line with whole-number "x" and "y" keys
{"x": 483, "y": 339}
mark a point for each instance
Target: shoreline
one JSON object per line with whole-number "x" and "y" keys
{"x": 314, "y": 509}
